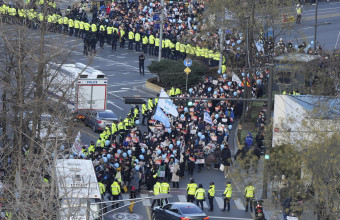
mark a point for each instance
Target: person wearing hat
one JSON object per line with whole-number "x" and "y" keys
{"x": 227, "y": 195}
{"x": 211, "y": 195}
{"x": 200, "y": 196}
{"x": 249, "y": 193}
{"x": 191, "y": 190}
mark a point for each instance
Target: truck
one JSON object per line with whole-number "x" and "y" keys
{"x": 88, "y": 87}
{"x": 77, "y": 190}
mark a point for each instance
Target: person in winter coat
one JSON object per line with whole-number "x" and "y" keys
{"x": 217, "y": 154}
{"x": 134, "y": 179}
{"x": 226, "y": 159}
{"x": 175, "y": 177}
{"x": 191, "y": 163}
{"x": 249, "y": 141}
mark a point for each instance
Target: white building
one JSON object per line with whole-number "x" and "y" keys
{"x": 302, "y": 117}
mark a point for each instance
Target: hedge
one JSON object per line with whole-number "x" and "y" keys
{"x": 172, "y": 73}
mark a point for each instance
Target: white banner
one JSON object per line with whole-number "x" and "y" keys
{"x": 235, "y": 78}
{"x": 167, "y": 105}
{"x": 77, "y": 146}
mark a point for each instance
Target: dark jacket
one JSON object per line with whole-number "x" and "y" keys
{"x": 226, "y": 156}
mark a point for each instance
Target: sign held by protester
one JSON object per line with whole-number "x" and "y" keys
{"x": 160, "y": 116}
{"x": 167, "y": 105}
{"x": 207, "y": 118}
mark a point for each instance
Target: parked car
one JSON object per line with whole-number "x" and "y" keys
{"x": 178, "y": 211}
{"x": 99, "y": 119}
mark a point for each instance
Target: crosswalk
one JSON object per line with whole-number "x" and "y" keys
{"x": 235, "y": 202}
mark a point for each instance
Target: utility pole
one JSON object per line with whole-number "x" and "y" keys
{"x": 221, "y": 50}
{"x": 161, "y": 31}
{"x": 269, "y": 114}
{"x": 316, "y": 23}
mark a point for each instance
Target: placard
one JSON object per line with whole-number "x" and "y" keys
{"x": 215, "y": 82}
{"x": 194, "y": 118}
{"x": 200, "y": 161}
{"x": 214, "y": 138}
{"x": 193, "y": 131}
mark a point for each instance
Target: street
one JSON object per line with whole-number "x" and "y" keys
{"x": 327, "y": 30}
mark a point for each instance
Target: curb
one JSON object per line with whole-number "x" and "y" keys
{"x": 152, "y": 86}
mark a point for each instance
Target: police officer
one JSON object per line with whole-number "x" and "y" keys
{"x": 151, "y": 44}
{"x": 137, "y": 41}
{"x": 227, "y": 195}
{"x": 191, "y": 190}
{"x": 102, "y": 192}
{"x": 249, "y": 195}
{"x": 211, "y": 195}
{"x": 87, "y": 44}
{"x": 156, "y": 45}
{"x": 200, "y": 196}
{"x": 115, "y": 191}
{"x": 141, "y": 64}
{"x": 144, "y": 112}
{"x": 131, "y": 38}
{"x": 156, "y": 191}
{"x": 102, "y": 32}
{"x": 115, "y": 38}
{"x": 165, "y": 189}
{"x": 298, "y": 13}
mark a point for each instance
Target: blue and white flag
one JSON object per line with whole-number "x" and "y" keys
{"x": 167, "y": 105}
{"x": 207, "y": 118}
{"x": 161, "y": 116}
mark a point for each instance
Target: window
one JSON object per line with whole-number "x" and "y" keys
{"x": 167, "y": 207}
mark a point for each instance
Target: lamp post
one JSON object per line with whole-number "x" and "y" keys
{"x": 161, "y": 31}
{"x": 316, "y": 23}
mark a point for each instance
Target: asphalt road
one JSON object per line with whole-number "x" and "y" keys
{"x": 327, "y": 30}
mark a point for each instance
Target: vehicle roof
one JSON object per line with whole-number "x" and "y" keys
{"x": 76, "y": 179}
{"x": 297, "y": 57}
{"x": 183, "y": 204}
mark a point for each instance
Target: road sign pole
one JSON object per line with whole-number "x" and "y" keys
{"x": 186, "y": 83}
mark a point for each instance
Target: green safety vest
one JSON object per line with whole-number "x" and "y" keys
{"x": 200, "y": 194}
{"x": 249, "y": 191}
{"x": 115, "y": 188}
{"x": 228, "y": 191}
{"x": 157, "y": 188}
{"x": 101, "y": 188}
{"x": 191, "y": 188}
{"x": 165, "y": 188}
{"x": 211, "y": 191}
{"x": 93, "y": 27}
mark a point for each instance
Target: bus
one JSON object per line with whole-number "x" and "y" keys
{"x": 77, "y": 190}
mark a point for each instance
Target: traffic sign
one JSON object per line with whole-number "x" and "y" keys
{"x": 187, "y": 62}
{"x": 187, "y": 70}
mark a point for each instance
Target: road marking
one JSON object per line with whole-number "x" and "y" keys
{"x": 112, "y": 103}
{"x": 146, "y": 202}
{"x": 301, "y": 38}
{"x": 235, "y": 218}
{"x": 205, "y": 205}
{"x": 239, "y": 204}
{"x": 124, "y": 88}
{"x": 126, "y": 196}
{"x": 220, "y": 202}
{"x": 182, "y": 198}
{"x": 121, "y": 57}
{"x": 88, "y": 133}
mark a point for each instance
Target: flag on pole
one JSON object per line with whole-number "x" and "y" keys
{"x": 207, "y": 118}
{"x": 167, "y": 105}
{"x": 161, "y": 116}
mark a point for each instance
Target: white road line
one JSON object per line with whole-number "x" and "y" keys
{"x": 302, "y": 38}
{"x": 117, "y": 96}
{"x": 145, "y": 202}
{"x": 125, "y": 196}
{"x": 121, "y": 57}
{"x": 112, "y": 103}
{"x": 234, "y": 218}
{"x": 205, "y": 205}
{"x": 239, "y": 204}
{"x": 118, "y": 91}
{"x": 124, "y": 88}
{"x": 182, "y": 198}
{"x": 220, "y": 202}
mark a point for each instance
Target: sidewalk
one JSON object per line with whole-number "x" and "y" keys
{"x": 241, "y": 178}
